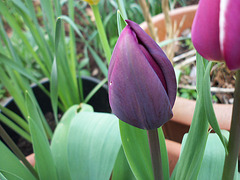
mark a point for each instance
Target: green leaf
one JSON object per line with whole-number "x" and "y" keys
{"x": 2, "y": 177}
{"x": 192, "y": 154}
{"x": 10, "y": 163}
{"x": 93, "y": 145}
{"x": 213, "y": 159}
{"x": 136, "y": 148}
{"x": 99, "y": 61}
{"x": 121, "y": 168}
{"x": 54, "y": 90}
{"x": 209, "y": 107}
{"x": 122, "y": 8}
{"x": 14, "y": 65}
{"x": 44, "y": 160}
{"x": 8, "y": 175}
{"x": 120, "y": 22}
{"x": 178, "y": 74}
{"x": 59, "y": 140}
{"x": 33, "y": 111}
{"x": 59, "y": 143}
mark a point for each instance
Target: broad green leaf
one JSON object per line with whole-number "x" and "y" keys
{"x": 209, "y": 107}
{"x": 121, "y": 168}
{"x": 59, "y": 141}
{"x": 93, "y": 145}
{"x": 10, "y": 163}
{"x": 213, "y": 159}
{"x": 192, "y": 154}
{"x": 136, "y": 148}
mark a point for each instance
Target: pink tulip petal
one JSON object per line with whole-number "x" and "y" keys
{"x": 205, "y": 30}
{"x": 230, "y": 32}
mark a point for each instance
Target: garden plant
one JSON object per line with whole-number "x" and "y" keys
{"x": 128, "y": 143}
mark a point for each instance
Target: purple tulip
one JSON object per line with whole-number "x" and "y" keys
{"x": 215, "y": 31}
{"x": 142, "y": 82}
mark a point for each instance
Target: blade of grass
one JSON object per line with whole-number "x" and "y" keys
{"x": 122, "y": 9}
{"x": 14, "y": 127}
{"x": 16, "y": 150}
{"x": 22, "y": 71}
{"x": 20, "y": 121}
{"x": 12, "y": 22}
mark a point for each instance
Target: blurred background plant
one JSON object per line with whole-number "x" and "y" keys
{"x": 83, "y": 18}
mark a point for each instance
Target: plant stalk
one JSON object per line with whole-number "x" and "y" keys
{"x": 234, "y": 139}
{"x": 148, "y": 18}
{"x": 153, "y": 141}
{"x": 102, "y": 33}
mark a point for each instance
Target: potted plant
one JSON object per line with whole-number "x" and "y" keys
{"x": 142, "y": 92}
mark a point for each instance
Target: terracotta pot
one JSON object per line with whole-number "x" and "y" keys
{"x": 176, "y": 15}
{"x": 31, "y": 159}
{"x": 182, "y": 117}
{"x": 173, "y": 149}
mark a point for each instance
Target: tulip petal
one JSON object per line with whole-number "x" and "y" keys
{"x": 205, "y": 30}
{"x": 160, "y": 58}
{"x": 230, "y": 32}
{"x": 136, "y": 95}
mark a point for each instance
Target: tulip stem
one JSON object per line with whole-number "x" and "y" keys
{"x": 234, "y": 139}
{"x": 102, "y": 33}
{"x": 153, "y": 141}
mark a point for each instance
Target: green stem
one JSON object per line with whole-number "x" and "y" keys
{"x": 17, "y": 151}
{"x": 234, "y": 139}
{"x": 101, "y": 32}
{"x": 155, "y": 154}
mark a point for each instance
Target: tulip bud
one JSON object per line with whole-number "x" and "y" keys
{"x": 215, "y": 31}
{"x": 92, "y": 2}
{"x": 141, "y": 79}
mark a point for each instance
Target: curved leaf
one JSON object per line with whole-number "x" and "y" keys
{"x": 136, "y": 148}
{"x": 93, "y": 145}
{"x": 59, "y": 141}
{"x": 209, "y": 107}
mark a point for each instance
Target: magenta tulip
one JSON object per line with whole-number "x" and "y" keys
{"x": 215, "y": 31}
{"x": 141, "y": 79}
